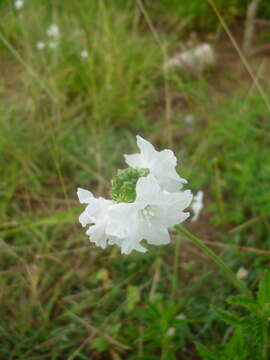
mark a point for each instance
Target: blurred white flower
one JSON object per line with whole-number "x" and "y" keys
{"x": 181, "y": 316}
{"x": 84, "y": 54}
{"x": 161, "y": 165}
{"x": 52, "y": 45}
{"x": 18, "y": 4}
{"x": 189, "y": 119}
{"x": 242, "y": 273}
{"x": 197, "y": 205}
{"x": 40, "y": 45}
{"x": 53, "y": 31}
{"x": 194, "y": 60}
{"x": 149, "y": 216}
{"x": 171, "y": 331}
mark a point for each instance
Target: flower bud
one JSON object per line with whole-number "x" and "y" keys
{"x": 124, "y": 184}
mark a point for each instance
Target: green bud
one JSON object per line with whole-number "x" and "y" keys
{"x": 124, "y": 184}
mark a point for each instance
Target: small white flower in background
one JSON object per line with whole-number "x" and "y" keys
{"x": 242, "y": 273}
{"x": 161, "y": 165}
{"x": 171, "y": 331}
{"x": 52, "y": 45}
{"x": 84, "y": 54}
{"x": 143, "y": 208}
{"x": 18, "y": 4}
{"x": 197, "y": 205}
{"x": 40, "y": 45}
{"x": 189, "y": 119}
{"x": 53, "y": 31}
{"x": 181, "y": 317}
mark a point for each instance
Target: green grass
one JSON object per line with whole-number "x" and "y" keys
{"x": 65, "y": 123}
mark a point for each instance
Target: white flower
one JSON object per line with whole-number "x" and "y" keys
{"x": 189, "y": 119}
{"x": 242, "y": 273}
{"x": 197, "y": 205}
{"x": 171, "y": 332}
{"x": 181, "y": 316}
{"x": 53, "y": 31}
{"x": 150, "y": 216}
{"x": 84, "y": 54}
{"x": 18, "y": 4}
{"x": 161, "y": 165}
{"x": 97, "y": 214}
{"x": 52, "y": 45}
{"x": 40, "y": 45}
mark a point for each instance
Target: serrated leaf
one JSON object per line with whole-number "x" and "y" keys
{"x": 263, "y": 294}
{"x": 244, "y": 301}
{"x": 228, "y": 317}
{"x": 205, "y": 353}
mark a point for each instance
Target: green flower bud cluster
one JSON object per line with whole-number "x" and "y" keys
{"x": 124, "y": 184}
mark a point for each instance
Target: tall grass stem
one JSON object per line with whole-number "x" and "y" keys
{"x": 217, "y": 259}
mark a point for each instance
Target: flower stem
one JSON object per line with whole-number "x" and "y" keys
{"x": 217, "y": 259}
{"x": 175, "y": 266}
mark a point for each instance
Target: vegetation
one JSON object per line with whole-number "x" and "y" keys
{"x": 67, "y": 119}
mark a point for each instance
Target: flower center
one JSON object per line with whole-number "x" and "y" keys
{"x": 147, "y": 214}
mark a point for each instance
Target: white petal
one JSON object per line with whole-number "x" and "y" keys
{"x": 98, "y": 208}
{"x": 147, "y": 189}
{"x": 84, "y": 196}
{"x": 167, "y": 156}
{"x": 121, "y": 216}
{"x": 145, "y": 146}
{"x": 97, "y": 234}
{"x": 154, "y": 233}
{"x": 84, "y": 218}
{"x": 140, "y": 248}
{"x": 169, "y": 211}
{"x": 133, "y": 160}
{"x": 197, "y": 205}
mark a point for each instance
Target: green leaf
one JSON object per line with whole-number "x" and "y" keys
{"x": 133, "y": 297}
{"x": 244, "y": 301}
{"x": 100, "y": 344}
{"x": 263, "y": 294}
{"x": 205, "y": 353}
{"x": 228, "y": 317}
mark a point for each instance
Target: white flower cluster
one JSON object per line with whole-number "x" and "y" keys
{"x": 159, "y": 204}
{"x": 53, "y": 33}
{"x": 18, "y": 4}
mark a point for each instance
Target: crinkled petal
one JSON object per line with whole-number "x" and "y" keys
{"x": 147, "y": 189}
{"x": 98, "y": 208}
{"x": 167, "y": 157}
{"x": 97, "y": 234}
{"x": 84, "y": 218}
{"x": 140, "y": 248}
{"x": 84, "y": 196}
{"x": 120, "y": 217}
{"x": 134, "y": 161}
{"x": 145, "y": 146}
{"x": 169, "y": 211}
{"x": 154, "y": 233}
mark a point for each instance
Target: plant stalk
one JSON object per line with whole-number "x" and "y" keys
{"x": 217, "y": 259}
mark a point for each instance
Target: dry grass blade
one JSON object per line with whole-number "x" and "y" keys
{"x": 241, "y": 55}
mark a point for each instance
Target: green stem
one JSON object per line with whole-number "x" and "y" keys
{"x": 175, "y": 266}
{"x": 217, "y": 259}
